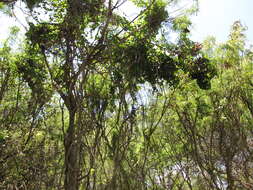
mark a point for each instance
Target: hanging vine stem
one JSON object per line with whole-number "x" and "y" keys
{"x": 62, "y": 116}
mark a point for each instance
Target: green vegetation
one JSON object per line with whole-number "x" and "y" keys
{"x": 93, "y": 100}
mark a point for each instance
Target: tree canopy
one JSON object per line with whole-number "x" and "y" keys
{"x": 94, "y": 99}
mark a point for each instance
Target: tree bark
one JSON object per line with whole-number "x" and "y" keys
{"x": 230, "y": 179}
{"x": 4, "y": 84}
{"x": 71, "y": 155}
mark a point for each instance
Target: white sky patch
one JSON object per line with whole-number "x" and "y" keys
{"x": 18, "y": 19}
{"x": 215, "y": 18}
{"x": 5, "y": 23}
{"x": 129, "y": 10}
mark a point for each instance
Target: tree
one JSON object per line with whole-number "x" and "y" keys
{"x": 211, "y": 128}
{"x": 93, "y": 58}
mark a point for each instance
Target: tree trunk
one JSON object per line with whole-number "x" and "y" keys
{"x": 230, "y": 179}
{"x": 71, "y": 155}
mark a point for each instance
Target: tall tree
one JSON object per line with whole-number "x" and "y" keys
{"x": 77, "y": 47}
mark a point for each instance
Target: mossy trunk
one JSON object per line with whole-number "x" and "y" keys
{"x": 71, "y": 155}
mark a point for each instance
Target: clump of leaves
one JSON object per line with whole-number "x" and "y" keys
{"x": 43, "y": 34}
{"x": 203, "y": 71}
{"x": 143, "y": 62}
{"x": 156, "y": 15}
{"x": 32, "y": 3}
{"x": 33, "y": 71}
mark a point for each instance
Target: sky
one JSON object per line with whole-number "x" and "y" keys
{"x": 214, "y": 18}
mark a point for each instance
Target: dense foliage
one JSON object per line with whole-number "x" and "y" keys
{"x": 95, "y": 100}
